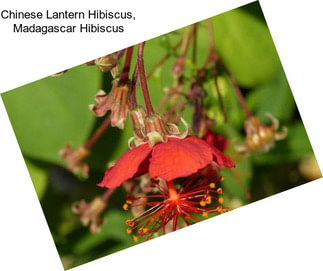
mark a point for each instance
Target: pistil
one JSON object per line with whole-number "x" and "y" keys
{"x": 173, "y": 196}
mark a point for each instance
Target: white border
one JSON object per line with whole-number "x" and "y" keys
{"x": 282, "y": 232}
{"x": 26, "y": 242}
{"x": 33, "y": 57}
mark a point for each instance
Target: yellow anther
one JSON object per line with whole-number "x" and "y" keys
{"x": 129, "y": 201}
{"x": 130, "y": 223}
{"x": 135, "y": 238}
{"x": 203, "y": 203}
{"x": 142, "y": 231}
{"x": 208, "y": 200}
{"x": 125, "y": 207}
{"x": 219, "y": 209}
{"x": 223, "y": 211}
{"x": 221, "y": 200}
{"x": 212, "y": 185}
{"x": 205, "y": 214}
{"x": 219, "y": 190}
{"x": 129, "y": 230}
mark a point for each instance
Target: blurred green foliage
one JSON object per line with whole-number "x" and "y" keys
{"x": 47, "y": 113}
{"x": 51, "y": 111}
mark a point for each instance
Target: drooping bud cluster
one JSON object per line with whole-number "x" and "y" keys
{"x": 259, "y": 137}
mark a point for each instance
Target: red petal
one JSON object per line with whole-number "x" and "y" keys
{"x": 132, "y": 164}
{"x": 217, "y": 141}
{"x": 221, "y": 159}
{"x": 179, "y": 158}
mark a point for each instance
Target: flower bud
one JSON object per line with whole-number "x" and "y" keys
{"x": 155, "y": 129}
{"x": 75, "y": 158}
{"x": 90, "y": 213}
{"x": 90, "y": 63}
{"x": 178, "y": 68}
{"x": 261, "y": 138}
{"x": 309, "y": 168}
{"x": 117, "y": 101}
{"x": 137, "y": 116}
{"x": 102, "y": 107}
{"x": 59, "y": 73}
{"x": 108, "y": 62}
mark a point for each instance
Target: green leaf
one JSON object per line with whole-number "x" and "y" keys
{"x": 39, "y": 177}
{"x": 274, "y": 97}
{"x": 114, "y": 231}
{"x": 49, "y": 112}
{"x": 237, "y": 180}
{"x": 246, "y": 47}
{"x": 233, "y": 109}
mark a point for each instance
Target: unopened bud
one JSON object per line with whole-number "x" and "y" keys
{"x": 155, "y": 129}
{"x": 178, "y": 68}
{"x": 90, "y": 213}
{"x": 59, "y": 73}
{"x": 119, "y": 104}
{"x": 106, "y": 63}
{"x": 75, "y": 158}
{"x": 90, "y": 63}
{"x": 261, "y": 138}
{"x": 117, "y": 101}
{"x": 137, "y": 116}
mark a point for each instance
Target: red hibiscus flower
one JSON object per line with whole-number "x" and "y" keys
{"x": 173, "y": 159}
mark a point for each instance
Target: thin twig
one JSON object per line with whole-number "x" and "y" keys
{"x": 107, "y": 194}
{"x": 126, "y": 67}
{"x": 98, "y": 133}
{"x": 133, "y": 98}
{"x": 163, "y": 60}
{"x": 143, "y": 80}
